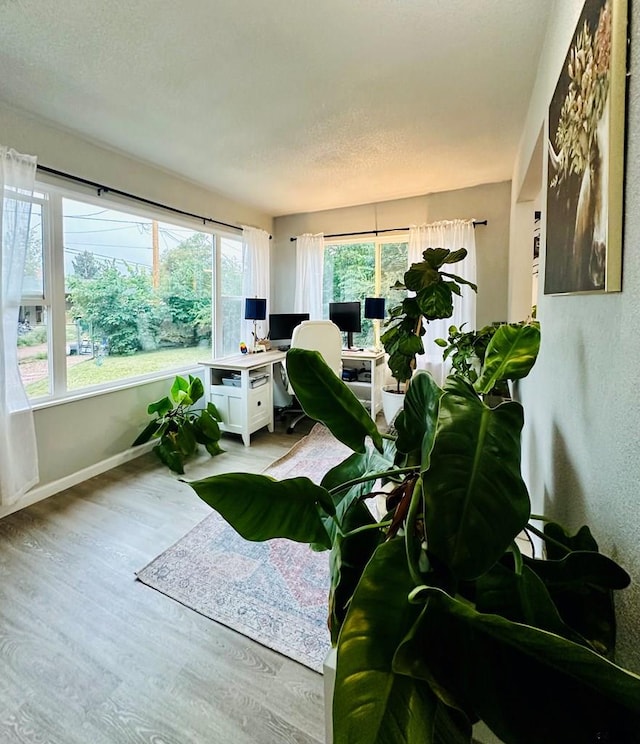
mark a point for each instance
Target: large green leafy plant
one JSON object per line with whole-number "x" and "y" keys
{"x": 432, "y": 299}
{"x": 179, "y": 427}
{"x": 439, "y": 619}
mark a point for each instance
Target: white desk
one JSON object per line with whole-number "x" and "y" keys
{"x": 248, "y": 405}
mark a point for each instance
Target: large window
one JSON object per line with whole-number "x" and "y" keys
{"x": 231, "y": 310}
{"x": 111, "y": 294}
{"x": 353, "y": 271}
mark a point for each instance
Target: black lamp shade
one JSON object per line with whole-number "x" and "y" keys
{"x": 374, "y": 308}
{"x": 255, "y": 308}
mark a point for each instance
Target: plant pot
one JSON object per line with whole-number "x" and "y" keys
{"x": 392, "y": 402}
{"x": 329, "y": 673}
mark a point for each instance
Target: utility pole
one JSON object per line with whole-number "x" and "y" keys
{"x": 156, "y": 254}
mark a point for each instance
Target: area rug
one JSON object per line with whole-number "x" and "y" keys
{"x": 275, "y": 592}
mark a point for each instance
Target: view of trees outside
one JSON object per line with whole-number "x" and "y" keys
{"x": 350, "y": 275}
{"x": 134, "y": 287}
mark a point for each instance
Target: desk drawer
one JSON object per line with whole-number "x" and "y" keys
{"x": 259, "y": 405}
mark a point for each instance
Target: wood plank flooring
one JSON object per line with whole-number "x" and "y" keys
{"x": 89, "y": 655}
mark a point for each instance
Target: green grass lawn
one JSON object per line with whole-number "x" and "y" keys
{"x": 92, "y": 371}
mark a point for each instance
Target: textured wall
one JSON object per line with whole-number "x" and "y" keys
{"x": 490, "y": 202}
{"x": 582, "y": 439}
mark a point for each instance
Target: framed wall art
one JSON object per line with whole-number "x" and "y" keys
{"x": 586, "y": 156}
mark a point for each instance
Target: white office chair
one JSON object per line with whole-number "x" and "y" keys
{"x": 317, "y": 335}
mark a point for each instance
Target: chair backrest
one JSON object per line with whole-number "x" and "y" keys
{"x": 323, "y": 336}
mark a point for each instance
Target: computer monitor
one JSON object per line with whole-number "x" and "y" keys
{"x": 346, "y": 315}
{"x": 281, "y": 326}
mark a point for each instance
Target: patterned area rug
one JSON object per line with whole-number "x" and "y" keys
{"x": 273, "y": 592}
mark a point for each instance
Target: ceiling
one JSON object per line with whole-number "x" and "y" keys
{"x": 288, "y": 105}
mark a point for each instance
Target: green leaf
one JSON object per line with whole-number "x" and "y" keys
{"x": 456, "y": 256}
{"x": 213, "y": 448}
{"x": 371, "y": 704}
{"x": 416, "y": 423}
{"x": 522, "y": 598}
{"x": 147, "y": 433}
{"x": 260, "y": 508}
{"x": 209, "y": 427}
{"x": 179, "y": 388}
{"x": 528, "y": 685}
{"x": 170, "y": 457}
{"x": 475, "y": 499}
{"x": 160, "y": 407}
{"x": 183, "y": 439}
{"x": 324, "y": 397}
{"x": 350, "y": 554}
{"x": 581, "y": 587}
{"x": 582, "y": 540}
{"x": 510, "y": 355}
{"x": 196, "y": 389}
{"x": 213, "y": 412}
{"x": 436, "y": 301}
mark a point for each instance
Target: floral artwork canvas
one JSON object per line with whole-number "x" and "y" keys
{"x": 585, "y": 156}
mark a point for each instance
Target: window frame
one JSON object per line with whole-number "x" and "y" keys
{"x": 54, "y": 284}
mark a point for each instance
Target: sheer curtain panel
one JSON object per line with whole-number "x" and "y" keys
{"x": 309, "y": 269}
{"x": 451, "y": 234}
{"x": 18, "y": 449}
{"x": 256, "y": 277}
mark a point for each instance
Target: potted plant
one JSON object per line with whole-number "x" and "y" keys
{"x": 179, "y": 427}
{"x": 432, "y": 299}
{"x": 439, "y": 619}
{"x": 466, "y": 351}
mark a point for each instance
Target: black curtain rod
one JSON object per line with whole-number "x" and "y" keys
{"x": 379, "y": 232}
{"x": 102, "y": 189}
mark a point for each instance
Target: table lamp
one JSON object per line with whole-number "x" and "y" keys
{"x": 374, "y": 310}
{"x": 255, "y": 309}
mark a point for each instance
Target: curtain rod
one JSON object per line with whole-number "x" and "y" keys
{"x": 379, "y": 232}
{"x": 101, "y": 188}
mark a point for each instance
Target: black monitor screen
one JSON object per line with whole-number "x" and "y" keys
{"x": 346, "y": 315}
{"x": 281, "y": 325}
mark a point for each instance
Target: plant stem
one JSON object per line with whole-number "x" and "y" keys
{"x": 373, "y": 477}
{"x": 365, "y": 527}
{"x": 517, "y": 558}
{"x": 410, "y": 532}
{"x": 540, "y": 518}
{"x": 541, "y": 534}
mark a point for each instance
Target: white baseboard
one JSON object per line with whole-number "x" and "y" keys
{"x": 49, "y": 489}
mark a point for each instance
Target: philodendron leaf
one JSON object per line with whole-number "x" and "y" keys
{"x": 528, "y": 685}
{"x": 581, "y": 585}
{"x": 510, "y": 355}
{"x": 147, "y": 433}
{"x": 179, "y": 389}
{"x": 260, "y": 508}
{"x": 196, "y": 389}
{"x": 582, "y": 540}
{"x": 416, "y": 423}
{"x": 160, "y": 407}
{"x": 371, "y": 704}
{"x": 349, "y": 555}
{"x": 475, "y": 499}
{"x": 324, "y": 397}
{"x": 522, "y": 598}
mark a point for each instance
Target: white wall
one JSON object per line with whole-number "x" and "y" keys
{"x": 489, "y": 201}
{"x": 75, "y": 436}
{"x": 582, "y": 437}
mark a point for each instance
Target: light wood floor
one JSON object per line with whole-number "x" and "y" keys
{"x": 89, "y": 655}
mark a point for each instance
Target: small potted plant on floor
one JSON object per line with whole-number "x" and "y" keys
{"x": 439, "y": 619}
{"x": 432, "y": 291}
{"x": 179, "y": 427}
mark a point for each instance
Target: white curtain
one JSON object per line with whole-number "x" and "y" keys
{"x": 256, "y": 278}
{"x": 309, "y": 269}
{"x": 451, "y": 234}
{"x": 18, "y": 449}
